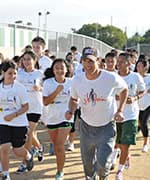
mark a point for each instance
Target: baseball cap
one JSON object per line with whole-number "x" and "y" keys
{"x": 89, "y": 53}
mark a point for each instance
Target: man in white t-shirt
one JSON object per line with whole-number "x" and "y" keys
{"x": 96, "y": 90}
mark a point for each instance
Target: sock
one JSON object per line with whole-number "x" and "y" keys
{"x": 121, "y": 167}
{"x": 28, "y": 157}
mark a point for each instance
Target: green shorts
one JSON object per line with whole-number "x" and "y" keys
{"x": 126, "y": 132}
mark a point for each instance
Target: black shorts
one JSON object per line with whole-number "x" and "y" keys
{"x": 14, "y": 135}
{"x": 33, "y": 117}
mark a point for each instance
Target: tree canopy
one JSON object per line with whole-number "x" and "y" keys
{"x": 109, "y": 34}
{"x": 112, "y": 35}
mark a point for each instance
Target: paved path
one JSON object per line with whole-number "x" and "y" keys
{"x": 139, "y": 170}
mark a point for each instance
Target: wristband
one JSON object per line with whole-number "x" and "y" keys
{"x": 16, "y": 114}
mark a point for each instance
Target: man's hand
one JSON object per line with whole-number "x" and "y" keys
{"x": 68, "y": 115}
{"x": 118, "y": 117}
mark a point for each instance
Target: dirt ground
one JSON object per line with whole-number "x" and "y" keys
{"x": 139, "y": 170}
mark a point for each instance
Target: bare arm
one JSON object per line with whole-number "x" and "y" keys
{"x": 73, "y": 103}
{"x": 21, "y": 111}
{"x": 122, "y": 99}
{"x": 50, "y": 99}
{"x": 135, "y": 98}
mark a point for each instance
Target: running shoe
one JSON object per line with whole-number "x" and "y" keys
{"x": 70, "y": 147}
{"x": 6, "y": 177}
{"x": 59, "y": 176}
{"x": 145, "y": 148}
{"x": 21, "y": 169}
{"x": 41, "y": 153}
{"x": 119, "y": 175}
{"x": 34, "y": 151}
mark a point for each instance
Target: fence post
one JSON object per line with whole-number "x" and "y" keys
{"x": 14, "y": 39}
{"x": 138, "y": 48}
{"x": 57, "y": 44}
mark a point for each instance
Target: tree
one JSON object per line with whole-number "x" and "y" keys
{"x": 146, "y": 37}
{"x": 89, "y": 30}
{"x": 111, "y": 35}
{"x": 134, "y": 40}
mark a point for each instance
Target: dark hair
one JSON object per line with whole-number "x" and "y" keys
{"x": 16, "y": 59}
{"x": 126, "y": 56}
{"x": 145, "y": 63}
{"x": 141, "y": 57}
{"x": 114, "y": 51}
{"x": 110, "y": 54}
{"x": 49, "y": 71}
{"x": 6, "y": 65}
{"x": 34, "y": 56}
{"x": 73, "y": 48}
{"x": 39, "y": 39}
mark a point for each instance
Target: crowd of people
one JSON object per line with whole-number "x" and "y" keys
{"x": 109, "y": 96}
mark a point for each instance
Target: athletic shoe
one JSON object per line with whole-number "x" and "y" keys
{"x": 34, "y": 151}
{"x": 119, "y": 175}
{"x": 21, "y": 169}
{"x": 112, "y": 167}
{"x": 145, "y": 148}
{"x": 6, "y": 177}
{"x": 51, "y": 149}
{"x": 30, "y": 163}
{"x": 41, "y": 153}
{"x": 70, "y": 147}
{"x": 59, "y": 176}
{"x": 127, "y": 164}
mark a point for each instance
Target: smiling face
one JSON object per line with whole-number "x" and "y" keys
{"x": 38, "y": 48}
{"x": 10, "y": 76}
{"x": 110, "y": 63}
{"x": 28, "y": 62}
{"x": 90, "y": 66}
{"x": 142, "y": 67}
{"x": 60, "y": 70}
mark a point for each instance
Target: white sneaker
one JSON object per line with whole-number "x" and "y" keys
{"x": 119, "y": 175}
{"x": 145, "y": 148}
{"x": 70, "y": 147}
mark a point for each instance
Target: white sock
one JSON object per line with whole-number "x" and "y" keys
{"x": 121, "y": 167}
{"x": 28, "y": 157}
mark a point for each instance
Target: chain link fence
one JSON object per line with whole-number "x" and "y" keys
{"x": 142, "y": 49}
{"x": 14, "y": 37}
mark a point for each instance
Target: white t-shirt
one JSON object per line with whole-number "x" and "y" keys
{"x": 56, "y": 111}
{"x": 135, "y": 84}
{"x": 97, "y": 97}
{"x": 11, "y": 99}
{"x": 29, "y": 79}
{"x": 44, "y": 63}
{"x": 144, "y": 102}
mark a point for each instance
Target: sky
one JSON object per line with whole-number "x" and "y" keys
{"x": 129, "y": 15}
